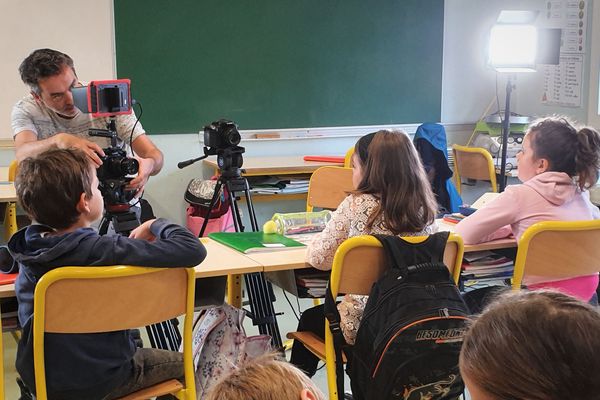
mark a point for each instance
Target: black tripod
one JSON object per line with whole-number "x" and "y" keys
{"x": 163, "y": 335}
{"x": 260, "y": 291}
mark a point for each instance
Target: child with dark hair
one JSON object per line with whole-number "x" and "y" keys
{"x": 557, "y": 164}
{"x": 392, "y": 196}
{"x": 533, "y": 345}
{"x": 59, "y": 191}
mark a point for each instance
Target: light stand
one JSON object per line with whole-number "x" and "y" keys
{"x": 512, "y": 48}
{"x": 505, "y": 134}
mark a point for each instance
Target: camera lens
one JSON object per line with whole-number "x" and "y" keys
{"x": 232, "y": 137}
{"x": 129, "y": 166}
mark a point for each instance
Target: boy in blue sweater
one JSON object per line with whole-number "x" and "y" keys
{"x": 59, "y": 191}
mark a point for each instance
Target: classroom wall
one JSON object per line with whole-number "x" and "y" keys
{"x": 468, "y": 85}
{"x": 70, "y": 25}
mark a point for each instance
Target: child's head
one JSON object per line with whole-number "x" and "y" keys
{"x": 59, "y": 188}
{"x": 266, "y": 378}
{"x": 388, "y": 166}
{"x": 533, "y": 345}
{"x": 554, "y": 144}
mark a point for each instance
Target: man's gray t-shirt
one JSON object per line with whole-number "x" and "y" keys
{"x": 29, "y": 114}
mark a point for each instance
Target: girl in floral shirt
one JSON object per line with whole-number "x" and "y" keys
{"x": 392, "y": 197}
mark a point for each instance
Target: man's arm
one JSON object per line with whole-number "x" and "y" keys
{"x": 150, "y": 159}
{"x": 28, "y": 145}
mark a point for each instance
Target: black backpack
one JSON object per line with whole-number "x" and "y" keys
{"x": 409, "y": 339}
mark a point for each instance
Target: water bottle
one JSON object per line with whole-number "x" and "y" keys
{"x": 301, "y": 222}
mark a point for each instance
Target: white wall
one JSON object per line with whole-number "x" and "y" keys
{"x": 71, "y": 25}
{"x": 81, "y": 28}
{"x": 468, "y": 85}
{"x": 593, "y": 100}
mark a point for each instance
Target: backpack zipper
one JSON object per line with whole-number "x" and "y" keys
{"x": 414, "y": 321}
{"x": 391, "y": 292}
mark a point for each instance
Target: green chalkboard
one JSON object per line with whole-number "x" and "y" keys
{"x": 281, "y": 63}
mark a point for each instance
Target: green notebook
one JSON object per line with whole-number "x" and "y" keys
{"x": 251, "y": 242}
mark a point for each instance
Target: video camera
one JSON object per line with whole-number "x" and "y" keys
{"x": 221, "y": 138}
{"x": 107, "y": 99}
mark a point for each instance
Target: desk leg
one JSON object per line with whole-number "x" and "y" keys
{"x": 234, "y": 290}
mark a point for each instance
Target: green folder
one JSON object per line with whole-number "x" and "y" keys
{"x": 251, "y": 242}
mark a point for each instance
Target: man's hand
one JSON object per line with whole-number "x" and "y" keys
{"x": 143, "y": 232}
{"x": 91, "y": 149}
{"x": 28, "y": 145}
{"x": 145, "y": 170}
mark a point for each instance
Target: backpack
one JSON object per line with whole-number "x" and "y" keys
{"x": 220, "y": 345}
{"x": 409, "y": 339}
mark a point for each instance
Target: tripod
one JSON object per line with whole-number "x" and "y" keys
{"x": 260, "y": 291}
{"x": 163, "y": 335}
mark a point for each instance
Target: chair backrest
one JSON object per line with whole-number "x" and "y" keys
{"x": 328, "y": 187}
{"x": 473, "y": 163}
{"x": 348, "y": 157}
{"x": 558, "y": 249}
{"x": 358, "y": 263}
{"x": 104, "y": 299}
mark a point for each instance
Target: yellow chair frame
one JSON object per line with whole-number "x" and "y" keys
{"x": 558, "y": 249}
{"x": 360, "y": 261}
{"x": 473, "y": 163}
{"x": 328, "y": 187}
{"x": 10, "y": 213}
{"x": 348, "y": 157}
{"x": 105, "y": 299}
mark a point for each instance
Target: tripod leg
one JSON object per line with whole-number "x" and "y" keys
{"x": 213, "y": 201}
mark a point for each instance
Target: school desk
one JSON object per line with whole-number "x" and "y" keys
{"x": 279, "y": 166}
{"x": 220, "y": 261}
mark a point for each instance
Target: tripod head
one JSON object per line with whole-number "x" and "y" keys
{"x": 221, "y": 139}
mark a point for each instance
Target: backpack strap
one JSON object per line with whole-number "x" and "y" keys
{"x": 333, "y": 317}
{"x": 409, "y": 257}
{"x": 401, "y": 254}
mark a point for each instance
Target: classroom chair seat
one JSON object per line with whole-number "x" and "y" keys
{"x": 328, "y": 187}
{"x": 358, "y": 263}
{"x": 473, "y": 163}
{"x": 104, "y": 299}
{"x": 559, "y": 250}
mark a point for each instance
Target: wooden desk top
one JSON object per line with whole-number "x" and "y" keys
{"x": 281, "y": 260}
{"x": 493, "y": 245}
{"x": 7, "y": 291}
{"x": 7, "y": 192}
{"x": 222, "y": 260}
{"x": 275, "y": 165}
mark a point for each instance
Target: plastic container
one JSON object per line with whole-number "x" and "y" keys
{"x": 301, "y": 222}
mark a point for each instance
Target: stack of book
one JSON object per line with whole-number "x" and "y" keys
{"x": 278, "y": 185}
{"x": 486, "y": 266}
{"x": 311, "y": 282}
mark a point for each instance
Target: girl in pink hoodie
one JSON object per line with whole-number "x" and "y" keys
{"x": 557, "y": 164}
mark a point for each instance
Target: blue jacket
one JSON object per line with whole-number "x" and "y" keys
{"x": 88, "y": 365}
{"x": 430, "y": 141}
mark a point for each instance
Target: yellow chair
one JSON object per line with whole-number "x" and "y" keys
{"x": 328, "y": 187}
{"x": 348, "y": 157}
{"x": 105, "y": 299}
{"x": 473, "y": 163}
{"x": 10, "y": 213}
{"x": 359, "y": 262}
{"x": 558, "y": 249}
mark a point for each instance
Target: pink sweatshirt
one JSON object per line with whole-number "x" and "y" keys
{"x": 550, "y": 196}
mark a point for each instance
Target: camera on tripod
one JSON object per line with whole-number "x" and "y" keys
{"x": 221, "y": 138}
{"x": 109, "y": 98}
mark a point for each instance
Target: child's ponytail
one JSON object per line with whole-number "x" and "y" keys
{"x": 587, "y": 157}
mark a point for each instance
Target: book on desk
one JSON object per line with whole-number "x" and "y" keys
{"x": 252, "y": 242}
